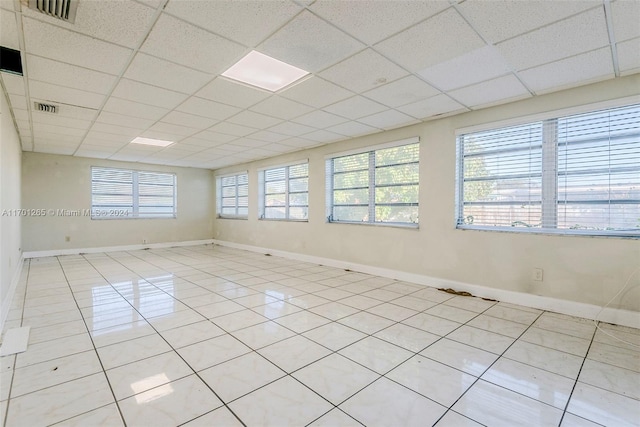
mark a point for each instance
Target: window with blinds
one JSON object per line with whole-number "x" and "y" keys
{"x": 121, "y": 193}
{"x": 284, "y": 192}
{"x": 577, "y": 174}
{"x": 233, "y": 196}
{"x": 375, "y": 187}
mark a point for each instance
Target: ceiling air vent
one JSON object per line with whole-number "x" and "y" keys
{"x": 61, "y": 9}
{"x": 46, "y": 108}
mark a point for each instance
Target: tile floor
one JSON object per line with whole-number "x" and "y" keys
{"x": 212, "y": 336}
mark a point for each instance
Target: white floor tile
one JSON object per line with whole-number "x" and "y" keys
{"x": 302, "y": 321}
{"x": 191, "y": 334}
{"x": 366, "y": 322}
{"x": 385, "y": 403}
{"x": 407, "y": 337}
{"x": 375, "y": 354}
{"x": 211, "y": 352}
{"x": 453, "y": 419}
{"x": 126, "y": 352}
{"x": 611, "y": 378}
{"x": 479, "y": 338}
{"x": 105, "y": 416}
{"x": 460, "y": 356}
{"x": 492, "y": 405}
{"x": 294, "y": 353}
{"x": 263, "y": 334}
{"x": 334, "y": 335}
{"x": 171, "y": 404}
{"x": 335, "y": 418}
{"x": 433, "y": 324}
{"x": 603, "y": 407}
{"x": 555, "y": 361}
{"x": 557, "y": 341}
{"x": 218, "y": 417}
{"x": 335, "y": 378}
{"x": 285, "y": 402}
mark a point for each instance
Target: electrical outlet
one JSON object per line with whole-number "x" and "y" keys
{"x": 537, "y": 274}
{"x": 144, "y": 241}
{"x": 67, "y": 238}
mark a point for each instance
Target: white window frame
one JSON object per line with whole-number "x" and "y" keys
{"x": 371, "y": 150}
{"x": 550, "y": 152}
{"x": 262, "y": 191}
{"x": 236, "y": 206}
{"x": 101, "y": 212}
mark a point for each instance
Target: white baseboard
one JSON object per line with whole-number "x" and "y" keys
{"x": 6, "y": 304}
{"x": 571, "y": 308}
{"x": 76, "y": 251}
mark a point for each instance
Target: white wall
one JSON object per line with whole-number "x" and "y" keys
{"x": 10, "y": 226}
{"x": 64, "y": 182}
{"x": 582, "y": 269}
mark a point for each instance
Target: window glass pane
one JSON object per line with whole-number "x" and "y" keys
{"x": 243, "y": 190}
{"x": 299, "y": 171}
{"x": 299, "y": 184}
{"x": 351, "y": 213}
{"x": 400, "y": 174}
{"x": 298, "y": 212}
{"x": 228, "y": 180}
{"x": 397, "y": 194}
{"x": 229, "y": 187}
{"x": 228, "y": 191}
{"x": 397, "y": 214}
{"x": 351, "y": 179}
{"x": 351, "y": 163}
{"x": 351, "y": 197}
{"x": 299, "y": 199}
{"x": 275, "y": 200}
{"x": 275, "y": 212}
{"x": 395, "y": 155}
{"x": 274, "y": 174}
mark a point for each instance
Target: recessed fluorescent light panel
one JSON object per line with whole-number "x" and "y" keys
{"x": 257, "y": 69}
{"x": 150, "y": 141}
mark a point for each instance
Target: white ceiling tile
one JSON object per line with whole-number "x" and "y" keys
{"x": 316, "y": 92}
{"x": 170, "y": 153}
{"x": 147, "y": 94}
{"x": 249, "y": 143}
{"x": 501, "y": 89}
{"x": 435, "y": 40}
{"x": 93, "y": 154}
{"x": 255, "y": 120}
{"x": 578, "y": 34}
{"x": 437, "y": 105}
{"x": 363, "y": 71}
{"x": 278, "y": 148}
{"x": 401, "y": 92}
{"x": 227, "y": 92}
{"x": 177, "y": 41}
{"x": 323, "y": 136}
{"x": 265, "y": 135}
{"x": 54, "y": 149}
{"x": 56, "y": 120}
{"x": 232, "y": 129}
{"x": 13, "y": 83}
{"x": 106, "y": 128}
{"x": 206, "y": 108}
{"x": 173, "y": 129}
{"x": 22, "y": 114}
{"x": 18, "y": 101}
{"x": 309, "y": 43}
{"x": 319, "y": 119}
{"x": 187, "y": 147}
{"x": 352, "y": 129}
{"x": 387, "y": 120}
{"x": 473, "y": 67}
{"x": 499, "y": 20}
{"x": 629, "y": 56}
{"x": 96, "y": 137}
{"x": 291, "y": 129}
{"x": 59, "y": 73}
{"x": 158, "y": 72}
{"x": 9, "y": 30}
{"x": 300, "y": 143}
{"x": 65, "y": 95}
{"x": 574, "y": 71}
{"x": 190, "y": 120}
{"x": 626, "y": 18}
{"x": 258, "y": 18}
{"x": 135, "y": 109}
{"x": 40, "y": 128}
{"x": 123, "y": 22}
{"x": 356, "y": 107}
{"x": 374, "y": 21}
{"x": 62, "y": 45}
{"x": 123, "y": 157}
{"x": 282, "y": 108}
{"x": 210, "y": 137}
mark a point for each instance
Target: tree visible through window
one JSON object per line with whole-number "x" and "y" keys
{"x": 578, "y": 174}
{"x": 378, "y": 186}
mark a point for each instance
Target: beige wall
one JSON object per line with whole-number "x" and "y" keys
{"x": 64, "y": 182}
{"x": 582, "y": 269}
{"x": 10, "y": 162}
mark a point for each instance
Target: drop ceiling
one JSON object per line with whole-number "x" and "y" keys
{"x": 151, "y": 68}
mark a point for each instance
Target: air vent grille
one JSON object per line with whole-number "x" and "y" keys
{"x": 61, "y": 9}
{"x": 46, "y": 108}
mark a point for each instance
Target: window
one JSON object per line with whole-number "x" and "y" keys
{"x": 375, "y": 187}
{"x": 577, "y": 174}
{"x": 284, "y": 192}
{"x": 233, "y": 196}
{"x": 121, "y": 193}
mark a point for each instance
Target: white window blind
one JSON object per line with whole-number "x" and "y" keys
{"x": 121, "y": 193}
{"x": 233, "y": 196}
{"x": 573, "y": 174}
{"x": 377, "y": 186}
{"x": 284, "y": 192}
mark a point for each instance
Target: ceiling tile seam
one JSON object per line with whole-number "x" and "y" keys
{"x": 73, "y": 65}
{"x": 5, "y": 93}
{"x": 565, "y": 58}
{"x": 25, "y": 71}
{"x": 550, "y": 24}
{"x": 608, "y": 16}
{"x": 133, "y": 54}
{"x": 487, "y": 43}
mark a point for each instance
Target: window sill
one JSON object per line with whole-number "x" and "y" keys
{"x": 549, "y": 232}
{"x": 283, "y": 220}
{"x": 244, "y": 218}
{"x": 411, "y": 226}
